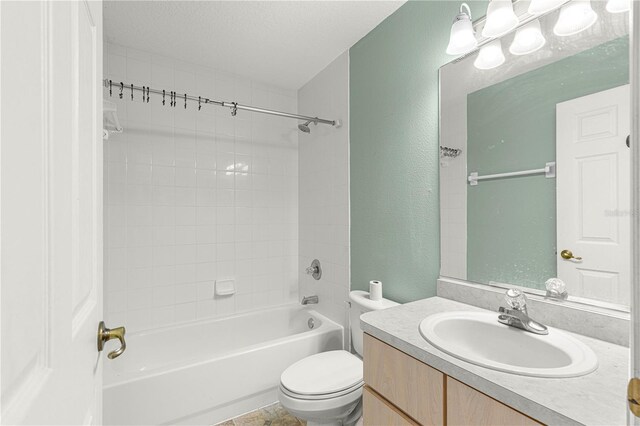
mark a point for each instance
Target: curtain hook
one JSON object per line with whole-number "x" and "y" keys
{"x": 110, "y": 89}
{"x": 199, "y": 103}
{"x": 163, "y": 94}
{"x": 147, "y": 94}
{"x": 234, "y": 110}
{"x": 132, "y": 91}
{"x": 121, "y": 89}
{"x": 185, "y": 101}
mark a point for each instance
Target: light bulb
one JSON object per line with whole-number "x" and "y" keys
{"x": 528, "y": 39}
{"x": 500, "y": 18}
{"x": 575, "y": 16}
{"x": 618, "y": 6}
{"x": 538, "y": 7}
{"x": 490, "y": 56}
{"x": 462, "y": 38}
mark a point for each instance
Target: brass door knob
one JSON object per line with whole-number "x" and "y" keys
{"x": 568, "y": 255}
{"x": 633, "y": 396}
{"x": 105, "y": 334}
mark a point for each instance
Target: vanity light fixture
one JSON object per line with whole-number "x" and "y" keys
{"x": 500, "y": 19}
{"x": 490, "y": 56}
{"x": 538, "y": 7}
{"x": 618, "y": 6}
{"x": 462, "y": 39}
{"x": 528, "y": 39}
{"x": 575, "y": 16}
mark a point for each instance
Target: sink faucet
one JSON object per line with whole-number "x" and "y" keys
{"x": 516, "y": 315}
{"x": 309, "y": 300}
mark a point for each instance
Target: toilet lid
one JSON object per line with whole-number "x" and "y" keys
{"x": 323, "y": 373}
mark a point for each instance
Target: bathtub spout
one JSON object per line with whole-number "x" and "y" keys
{"x": 310, "y": 300}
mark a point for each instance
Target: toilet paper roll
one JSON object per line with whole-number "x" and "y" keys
{"x": 375, "y": 290}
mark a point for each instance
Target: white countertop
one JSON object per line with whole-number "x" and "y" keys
{"x": 598, "y": 398}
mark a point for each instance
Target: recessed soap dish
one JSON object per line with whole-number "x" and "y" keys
{"x": 225, "y": 287}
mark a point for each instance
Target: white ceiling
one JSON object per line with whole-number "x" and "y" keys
{"x": 285, "y": 43}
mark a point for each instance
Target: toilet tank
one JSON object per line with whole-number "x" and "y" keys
{"x": 361, "y": 303}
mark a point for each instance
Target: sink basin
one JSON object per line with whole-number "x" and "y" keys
{"x": 478, "y": 338}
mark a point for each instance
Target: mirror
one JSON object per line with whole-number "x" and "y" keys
{"x": 534, "y": 171}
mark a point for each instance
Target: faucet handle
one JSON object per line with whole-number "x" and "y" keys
{"x": 314, "y": 270}
{"x": 556, "y": 288}
{"x": 516, "y": 299}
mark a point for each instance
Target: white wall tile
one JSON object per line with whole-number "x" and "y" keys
{"x": 180, "y": 198}
{"x": 323, "y": 194}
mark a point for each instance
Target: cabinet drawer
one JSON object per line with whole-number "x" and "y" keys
{"x": 376, "y": 411}
{"x": 469, "y": 407}
{"x": 409, "y": 384}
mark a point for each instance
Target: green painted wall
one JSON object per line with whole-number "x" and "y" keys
{"x": 395, "y": 230}
{"x": 511, "y": 223}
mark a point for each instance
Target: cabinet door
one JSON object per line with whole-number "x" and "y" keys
{"x": 407, "y": 383}
{"x": 377, "y": 411}
{"x": 466, "y": 406}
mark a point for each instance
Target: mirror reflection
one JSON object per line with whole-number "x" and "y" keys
{"x": 535, "y": 164}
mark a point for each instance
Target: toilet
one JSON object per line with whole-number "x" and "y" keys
{"x": 326, "y": 388}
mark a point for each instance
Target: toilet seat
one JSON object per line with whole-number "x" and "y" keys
{"x": 324, "y": 375}
{"x": 354, "y": 388}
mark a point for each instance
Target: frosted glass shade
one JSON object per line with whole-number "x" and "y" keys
{"x": 528, "y": 39}
{"x": 618, "y": 6}
{"x": 500, "y": 18}
{"x": 575, "y": 16}
{"x": 490, "y": 56}
{"x": 538, "y": 7}
{"x": 462, "y": 38}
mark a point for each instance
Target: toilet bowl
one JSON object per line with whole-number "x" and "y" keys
{"x": 326, "y": 388}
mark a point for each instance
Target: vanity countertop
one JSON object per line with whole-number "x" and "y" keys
{"x": 598, "y": 398}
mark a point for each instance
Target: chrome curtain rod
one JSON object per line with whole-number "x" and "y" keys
{"x": 123, "y": 90}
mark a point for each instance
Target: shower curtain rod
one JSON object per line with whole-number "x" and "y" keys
{"x": 175, "y": 97}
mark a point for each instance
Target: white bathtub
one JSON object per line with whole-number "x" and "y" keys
{"x": 206, "y": 372}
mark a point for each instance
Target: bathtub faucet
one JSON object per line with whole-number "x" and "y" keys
{"x": 310, "y": 300}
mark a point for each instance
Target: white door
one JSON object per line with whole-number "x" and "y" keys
{"x": 51, "y": 211}
{"x": 593, "y": 195}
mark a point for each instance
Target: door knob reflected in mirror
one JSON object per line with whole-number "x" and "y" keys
{"x": 568, "y": 255}
{"x": 105, "y": 334}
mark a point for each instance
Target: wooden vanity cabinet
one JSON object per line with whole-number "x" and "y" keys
{"x": 382, "y": 411}
{"x": 400, "y": 390}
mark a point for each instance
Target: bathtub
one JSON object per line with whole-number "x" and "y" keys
{"x": 208, "y": 371}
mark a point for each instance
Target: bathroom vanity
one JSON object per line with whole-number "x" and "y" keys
{"x": 398, "y": 383}
{"x": 409, "y": 381}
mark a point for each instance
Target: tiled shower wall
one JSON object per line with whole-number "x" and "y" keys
{"x": 324, "y": 189}
{"x": 194, "y": 196}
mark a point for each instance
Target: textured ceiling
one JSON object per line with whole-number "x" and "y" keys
{"x": 280, "y": 42}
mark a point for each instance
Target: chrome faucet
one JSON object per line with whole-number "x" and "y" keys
{"x": 310, "y": 300}
{"x": 516, "y": 315}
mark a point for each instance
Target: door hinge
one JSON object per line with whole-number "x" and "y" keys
{"x": 633, "y": 396}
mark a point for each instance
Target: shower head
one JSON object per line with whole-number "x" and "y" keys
{"x": 305, "y": 127}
